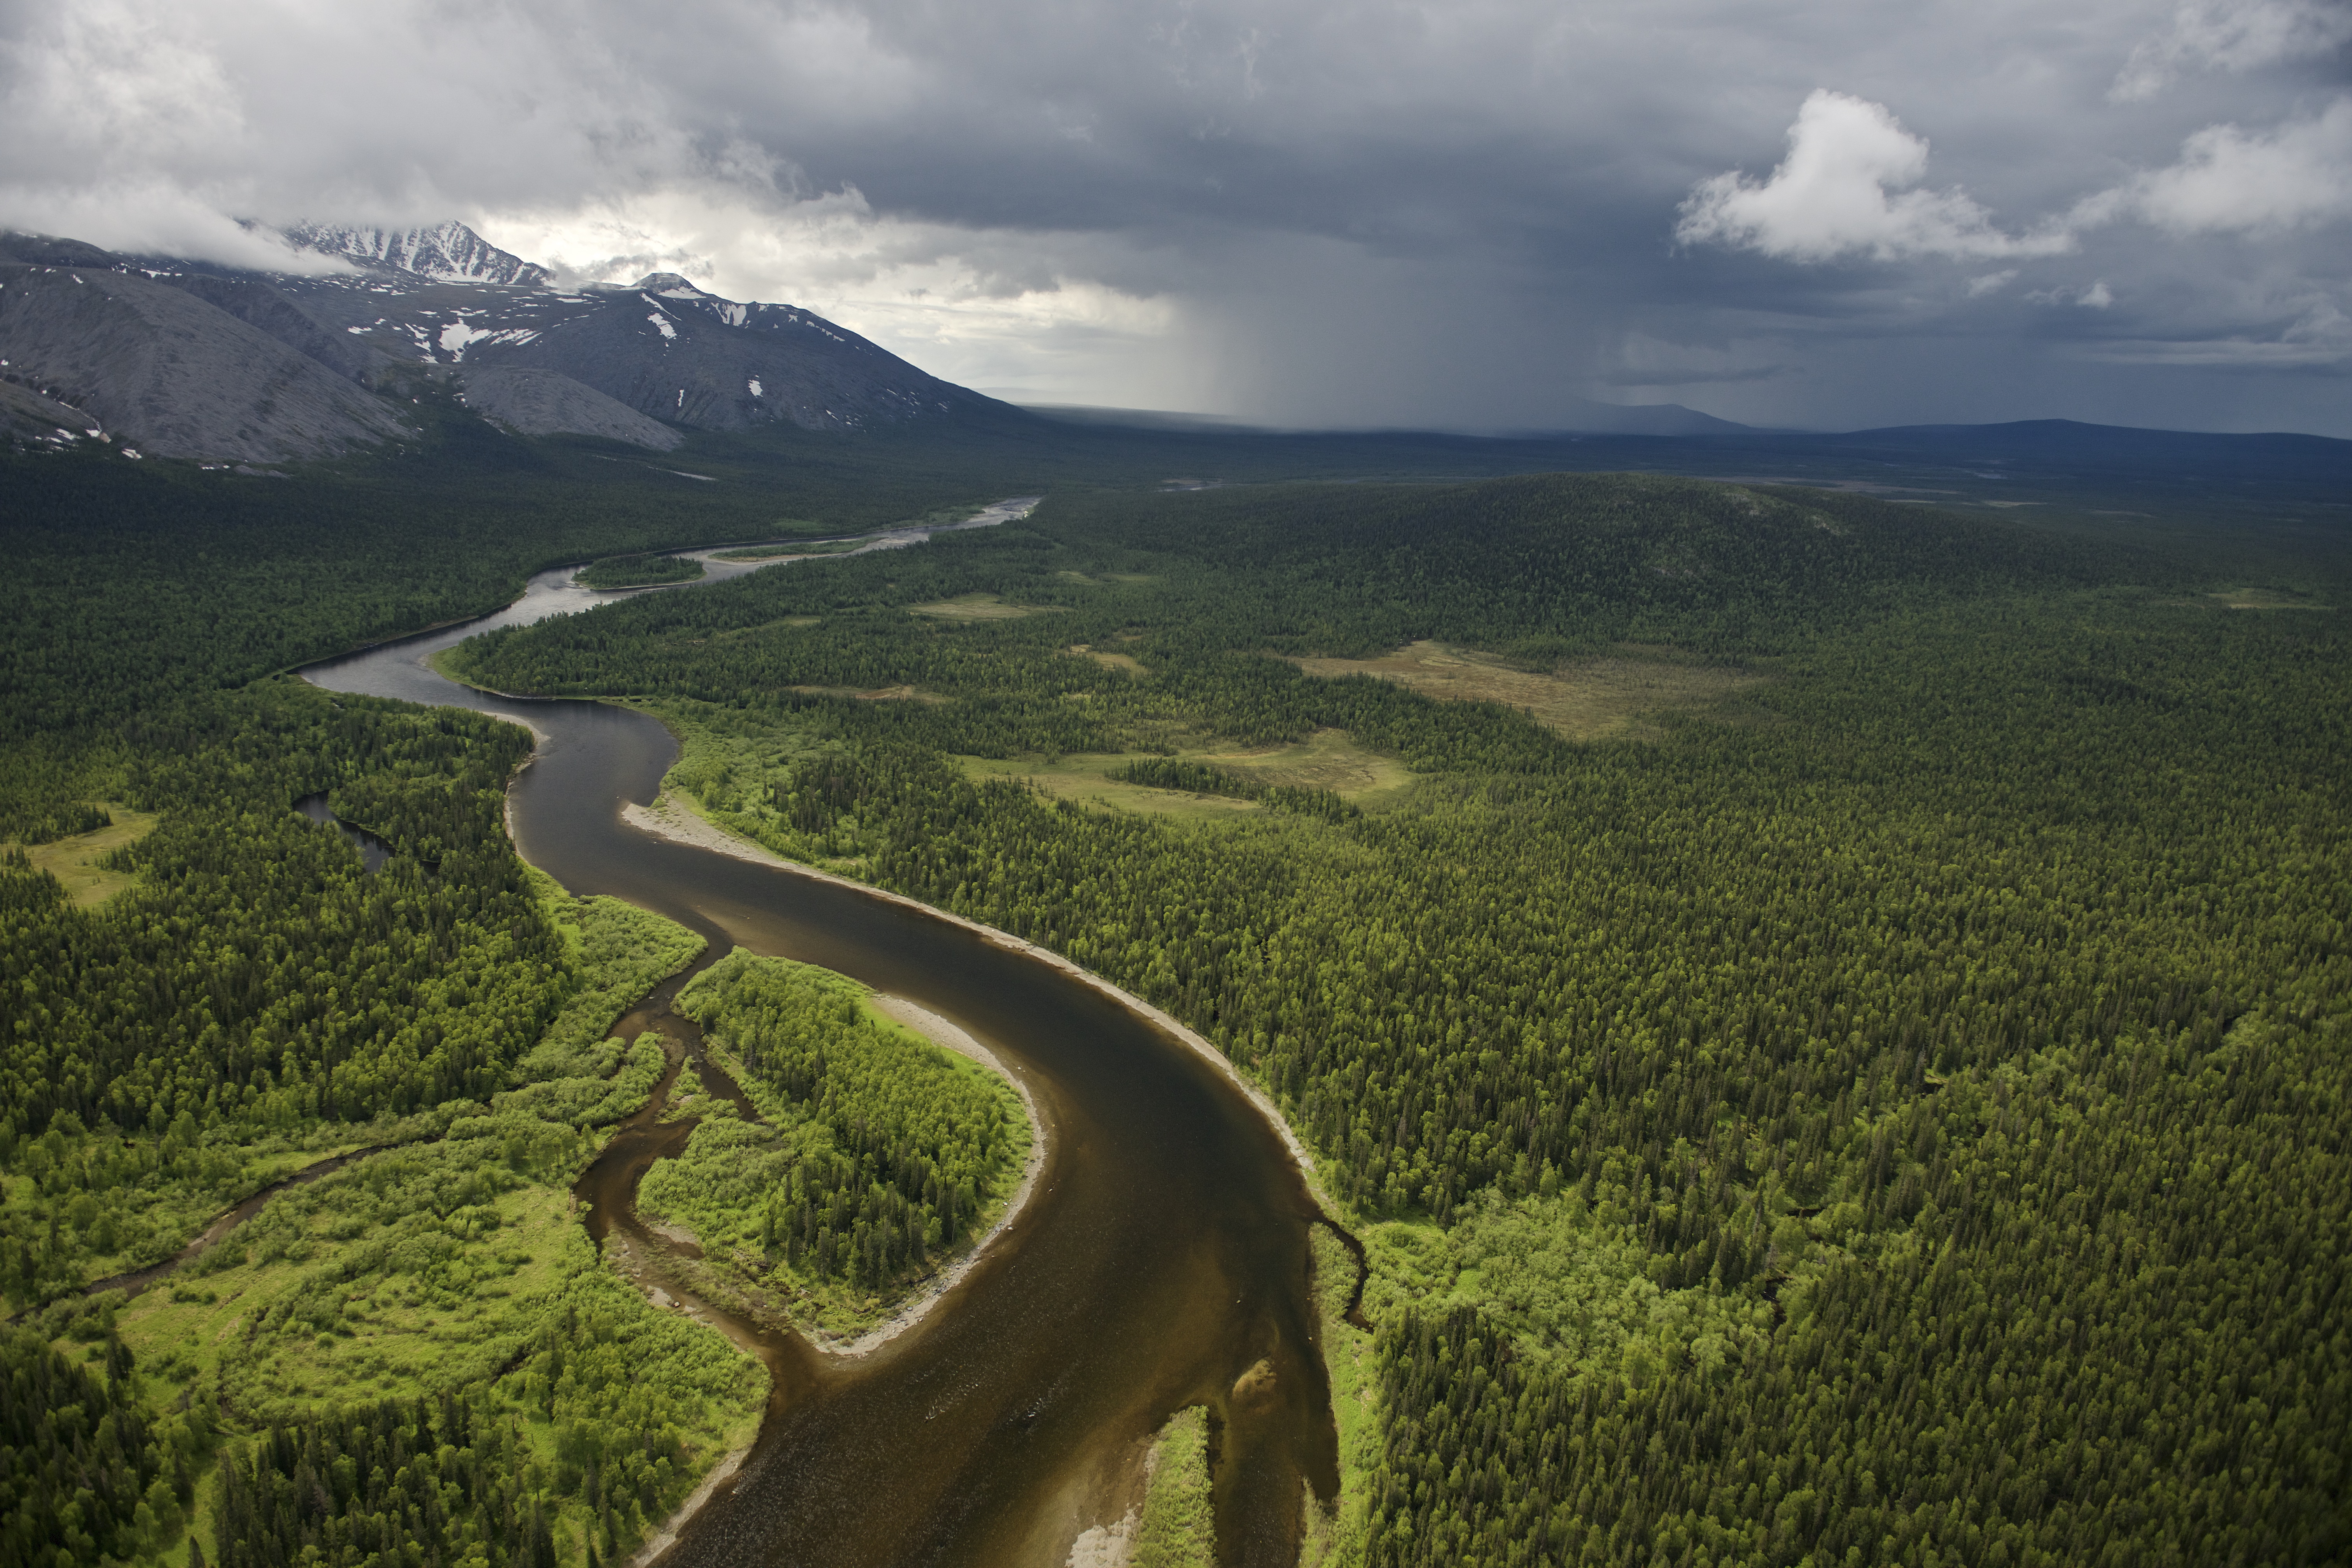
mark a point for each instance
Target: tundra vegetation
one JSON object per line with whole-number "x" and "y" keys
{"x": 1859, "y": 1077}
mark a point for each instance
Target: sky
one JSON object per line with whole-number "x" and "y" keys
{"x": 1470, "y": 216}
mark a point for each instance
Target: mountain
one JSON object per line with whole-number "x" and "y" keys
{"x": 662, "y": 346}
{"x": 171, "y": 374}
{"x": 185, "y": 359}
{"x": 450, "y": 253}
{"x": 1592, "y": 419}
{"x": 548, "y": 402}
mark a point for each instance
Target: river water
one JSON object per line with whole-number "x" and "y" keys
{"x": 1162, "y": 1255}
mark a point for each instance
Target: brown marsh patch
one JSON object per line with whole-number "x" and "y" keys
{"x": 879, "y": 694}
{"x": 1325, "y": 760}
{"x": 1585, "y": 699}
{"x": 977, "y": 607}
{"x": 1080, "y": 778}
{"x": 1110, "y": 660}
{"x": 2267, "y": 599}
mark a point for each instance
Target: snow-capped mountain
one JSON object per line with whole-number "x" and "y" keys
{"x": 449, "y": 253}
{"x": 669, "y": 350}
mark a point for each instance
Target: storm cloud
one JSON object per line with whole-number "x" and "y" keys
{"x": 1466, "y": 215}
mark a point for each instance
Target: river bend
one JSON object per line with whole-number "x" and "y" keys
{"x": 1163, "y": 1254}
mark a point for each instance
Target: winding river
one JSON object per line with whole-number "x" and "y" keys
{"x": 1162, "y": 1255}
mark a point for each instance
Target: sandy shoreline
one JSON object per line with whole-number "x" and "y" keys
{"x": 657, "y": 1285}
{"x": 666, "y": 818}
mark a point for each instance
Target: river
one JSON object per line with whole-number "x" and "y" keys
{"x": 1163, "y": 1254}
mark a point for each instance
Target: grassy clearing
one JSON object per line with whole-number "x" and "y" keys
{"x": 978, "y": 607}
{"x": 2268, "y": 599}
{"x": 1337, "y": 1537}
{"x": 1178, "y": 1527}
{"x": 1327, "y": 759}
{"x": 74, "y": 861}
{"x": 879, "y": 694}
{"x": 1587, "y": 699}
{"x": 1080, "y": 778}
{"x": 336, "y": 1291}
{"x": 1127, "y": 662}
{"x": 456, "y": 1266}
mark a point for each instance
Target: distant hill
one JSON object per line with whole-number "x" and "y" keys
{"x": 183, "y": 359}
{"x": 1587, "y": 418}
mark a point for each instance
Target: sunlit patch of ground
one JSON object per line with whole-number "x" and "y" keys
{"x": 977, "y": 607}
{"x": 1327, "y": 760}
{"x": 1109, "y": 660}
{"x": 2267, "y": 599}
{"x": 879, "y": 694}
{"x": 74, "y": 861}
{"x": 1587, "y": 699}
{"x": 1080, "y": 778}
{"x": 392, "y": 1335}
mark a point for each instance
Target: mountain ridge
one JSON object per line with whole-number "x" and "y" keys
{"x": 449, "y": 252}
{"x": 208, "y": 362}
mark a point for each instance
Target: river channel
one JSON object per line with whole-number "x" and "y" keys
{"x": 1162, "y": 1255}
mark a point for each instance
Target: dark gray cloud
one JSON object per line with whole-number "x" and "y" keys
{"x": 1469, "y": 214}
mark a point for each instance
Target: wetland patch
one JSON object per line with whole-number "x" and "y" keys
{"x": 1585, "y": 699}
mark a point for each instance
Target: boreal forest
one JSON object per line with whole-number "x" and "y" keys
{"x": 1822, "y": 1023}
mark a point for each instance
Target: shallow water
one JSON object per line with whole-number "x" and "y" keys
{"x": 1163, "y": 1254}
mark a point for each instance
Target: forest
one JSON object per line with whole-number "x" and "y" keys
{"x": 424, "y": 1048}
{"x": 1882, "y": 1100}
{"x": 1894, "y": 1115}
{"x": 638, "y": 572}
{"x": 874, "y": 1156}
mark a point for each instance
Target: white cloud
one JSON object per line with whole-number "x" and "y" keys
{"x": 1844, "y": 190}
{"x": 1991, "y": 282}
{"x": 1018, "y": 313}
{"x": 2234, "y": 36}
{"x": 1303, "y": 210}
{"x": 2097, "y": 296}
{"x": 2229, "y": 182}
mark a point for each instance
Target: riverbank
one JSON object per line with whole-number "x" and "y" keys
{"x": 669, "y": 818}
{"x": 941, "y": 1032}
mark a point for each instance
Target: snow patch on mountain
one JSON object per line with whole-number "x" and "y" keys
{"x": 449, "y": 252}
{"x": 457, "y": 335}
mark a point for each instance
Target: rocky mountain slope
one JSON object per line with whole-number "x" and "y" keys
{"x": 185, "y": 359}
{"x": 171, "y": 375}
{"x": 451, "y": 253}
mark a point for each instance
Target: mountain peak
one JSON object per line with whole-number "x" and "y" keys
{"x": 673, "y": 285}
{"x": 449, "y": 252}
